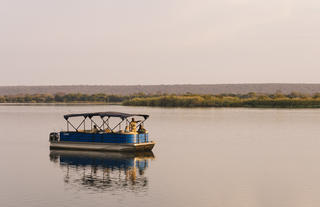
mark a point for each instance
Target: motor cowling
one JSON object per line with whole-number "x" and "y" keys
{"x": 54, "y": 137}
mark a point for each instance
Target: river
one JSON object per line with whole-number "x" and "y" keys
{"x": 203, "y": 157}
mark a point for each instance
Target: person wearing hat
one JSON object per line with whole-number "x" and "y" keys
{"x": 133, "y": 125}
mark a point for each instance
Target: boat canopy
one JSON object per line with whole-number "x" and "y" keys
{"x": 105, "y": 114}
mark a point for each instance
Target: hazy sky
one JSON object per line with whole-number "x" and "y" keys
{"x": 159, "y": 41}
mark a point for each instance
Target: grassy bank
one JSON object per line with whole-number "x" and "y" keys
{"x": 252, "y": 100}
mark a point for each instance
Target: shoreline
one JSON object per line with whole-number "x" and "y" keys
{"x": 53, "y": 104}
{"x": 167, "y": 107}
{"x": 250, "y": 100}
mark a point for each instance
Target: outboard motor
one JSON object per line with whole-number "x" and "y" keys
{"x": 54, "y": 137}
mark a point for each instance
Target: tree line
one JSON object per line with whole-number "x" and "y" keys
{"x": 277, "y": 100}
{"x": 66, "y": 98}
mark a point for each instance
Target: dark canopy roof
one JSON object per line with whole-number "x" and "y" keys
{"x": 104, "y": 114}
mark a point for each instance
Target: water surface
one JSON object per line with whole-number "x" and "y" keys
{"x": 203, "y": 157}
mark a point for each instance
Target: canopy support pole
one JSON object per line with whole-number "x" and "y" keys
{"x": 141, "y": 123}
{"x": 117, "y": 125}
{"x": 102, "y": 122}
{"x": 71, "y": 125}
{"x": 94, "y": 123}
{"x": 106, "y": 122}
{"x": 81, "y": 123}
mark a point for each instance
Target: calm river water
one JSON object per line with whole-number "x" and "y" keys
{"x": 203, "y": 157}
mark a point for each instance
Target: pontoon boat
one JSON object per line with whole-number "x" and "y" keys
{"x": 101, "y": 136}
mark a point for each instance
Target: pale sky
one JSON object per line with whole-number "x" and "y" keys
{"x": 115, "y": 42}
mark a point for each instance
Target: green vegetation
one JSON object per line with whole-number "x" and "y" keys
{"x": 67, "y": 98}
{"x": 253, "y": 100}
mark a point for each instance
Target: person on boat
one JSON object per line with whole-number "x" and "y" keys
{"x": 133, "y": 125}
{"x": 95, "y": 128}
{"x": 141, "y": 129}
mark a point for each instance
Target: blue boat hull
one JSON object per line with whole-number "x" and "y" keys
{"x": 104, "y": 137}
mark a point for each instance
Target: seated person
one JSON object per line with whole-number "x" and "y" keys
{"x": 141, "y": 129}
{"x": 95, "y": 129}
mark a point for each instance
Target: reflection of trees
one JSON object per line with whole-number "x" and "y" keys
{"x": 103, "y": 171}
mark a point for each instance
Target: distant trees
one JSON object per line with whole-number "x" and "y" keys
{"x": 67, "y": 98}
{"x": 277, "y": 100}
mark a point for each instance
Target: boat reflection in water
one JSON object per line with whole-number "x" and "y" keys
{"x": 104, "y": 171}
